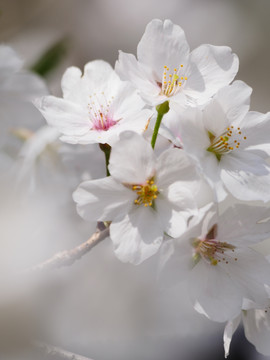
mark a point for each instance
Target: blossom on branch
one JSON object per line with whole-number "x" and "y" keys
{"x": 144, "y": 197}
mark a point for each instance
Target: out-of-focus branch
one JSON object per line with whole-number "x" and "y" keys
{"x": 68, "y": 257}
{"x": 55, "y": 353}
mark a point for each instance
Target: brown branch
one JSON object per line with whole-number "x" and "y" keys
{"x": 68, "y": 257}
{"x": 53, "y": 352}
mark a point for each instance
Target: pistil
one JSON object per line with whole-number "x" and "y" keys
{"x": 100, "y": 112}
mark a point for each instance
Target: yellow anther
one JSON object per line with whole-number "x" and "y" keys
{"x": 146, "y": 193}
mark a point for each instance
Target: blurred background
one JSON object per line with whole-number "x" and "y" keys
{"x": 102, "y": 308}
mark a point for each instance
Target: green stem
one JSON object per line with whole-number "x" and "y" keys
{"x": 107, "y": 151}
{"x": 162, "y": 109}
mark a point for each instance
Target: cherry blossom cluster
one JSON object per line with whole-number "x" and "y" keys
{"x": 187, "y": 170}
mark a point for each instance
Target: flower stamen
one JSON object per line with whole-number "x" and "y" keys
{"x": 147, "y": 193}
{"x": 100, "y": 112}
{"x": 211, "y": 250}
{"x": 225, "y": 143}
{"x": 172, "y": 82}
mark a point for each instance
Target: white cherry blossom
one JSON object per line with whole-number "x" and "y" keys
{"x": 144, "y": 197}
{"x": 166, "y": 70}
{"x": 217, "y": 262}
{"x": 44, "y": 162}
{"x": 96, "y": 106}
{"x": 229, "y": 143}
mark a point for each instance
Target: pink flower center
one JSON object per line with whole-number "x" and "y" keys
{"x": 102, "y": 122}
{"x": 100, "y": 112}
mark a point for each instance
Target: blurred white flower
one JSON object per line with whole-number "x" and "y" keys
{"x": 166, "y": 70}
{"x": 17, "y": 89}
{"x": 45, "y": 163}
{"x": 96, "y": 107}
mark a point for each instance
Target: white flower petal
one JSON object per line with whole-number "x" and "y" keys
{"x": 91, "y": 137}
{"x": 175, "y": 262}
{"x": 174, "y": 165}
{"x": 137, "y": 236}
{"x": 170, "y": 127}
{"x": 216, "y": 65}
{"x": 163, "y": 43}
{"x": 132, "y": 159}
{"x": 214, "y": 118}
{"x": 97, "y": 73}
{"x": 229, "y": 330}
{"x": 215, "y": 291}
{"x": 243, "y": 224}
{"x": 126, "y": 101}
{"x": 103, "y": 199}
{"x": 193, "y": 133}
{"x": 140, "y": 75}
{"x": 69, "y": 80}
{"x": 234, "y": 100}
{"x": 256, "y": 127}
{"x": 250, "y": 272}
{"x": 173, "y": 220}
{"x": 246, "y": 175}
{"x": 257, "y": 329}
{"x": 230, "y": 105}
{"x": 69, "y": 118}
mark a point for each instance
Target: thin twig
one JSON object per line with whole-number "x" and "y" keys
{"x": 55, "y": 353}
{"x": 68, "y": 257}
